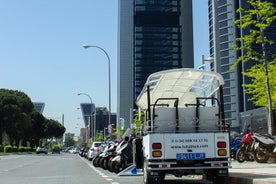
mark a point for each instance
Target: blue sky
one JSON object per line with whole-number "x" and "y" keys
{"x": 41, "y": 52}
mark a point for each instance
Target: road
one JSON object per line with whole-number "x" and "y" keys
{"x": 50, "y": 169}
{"x": 62, "y": 169}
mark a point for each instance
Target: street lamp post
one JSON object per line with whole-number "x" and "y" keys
{"x": 109, "y": 81}
{"x": 104, "y": 132}
{"x": 94, "y": 127}
{"x": 209, "y": 59}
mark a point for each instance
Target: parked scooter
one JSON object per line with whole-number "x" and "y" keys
{"x": 265, "y": 147}
{"x": 246, "y": 149}
{"x": 123, "y": 156}
{"x": 234, "y": 146}
{"x": 113, "y": 154}
{"x": 108, "y": 152}
{"x": 98, "y": 160}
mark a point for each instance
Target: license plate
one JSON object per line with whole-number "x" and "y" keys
{"x": 190, "y": 156}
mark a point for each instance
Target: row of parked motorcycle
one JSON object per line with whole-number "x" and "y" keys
{"x": 253, "y": 146}
{"x": 115, "y": 157}
{"x": 112, "y": 155}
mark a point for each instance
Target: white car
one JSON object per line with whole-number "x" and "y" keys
{"x": 94, "y": 150}
{"x": 41, "y": 149}
{"x": 74, "y": 150}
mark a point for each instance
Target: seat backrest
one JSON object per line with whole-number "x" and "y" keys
{"x": 165, "y": 119}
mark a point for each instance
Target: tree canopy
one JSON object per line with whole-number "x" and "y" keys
{"x": 257, "y": 89}
{"x": 22, "y": 123}
{"x": 258, "y": 49}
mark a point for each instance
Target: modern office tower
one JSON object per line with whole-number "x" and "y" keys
{"x": 39, "y": 106}
{"x": 88, "y": 111}
{"x": 222, "y": 36}
{"x": 153, "y": 35}
{"x": 100, "y": 117}
{"x": 102, "y": 120}
{"x": 88, "y": 114}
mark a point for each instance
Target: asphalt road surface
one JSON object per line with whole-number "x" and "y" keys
{"x": 63, "y": 169}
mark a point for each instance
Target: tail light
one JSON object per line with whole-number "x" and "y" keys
{"x": 221, "y": 144}
{"x": 222, "y": 148}
{"x": 157, "y": 154}
{"x": 222, "y": 152}
{"x": 156, "y": 149}
{"x": 156, "y": 145}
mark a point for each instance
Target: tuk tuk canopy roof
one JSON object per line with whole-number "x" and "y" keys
{"x": 185, "y": 84}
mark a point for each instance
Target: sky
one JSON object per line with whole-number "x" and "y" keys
{"x": 42, "y": 54}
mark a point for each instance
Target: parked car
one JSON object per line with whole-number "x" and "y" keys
{"x": 56, "y": 149}
{"x": 94, "y": 150}
{"x": 41, "y": 149}
{"x": 74, "y": 150}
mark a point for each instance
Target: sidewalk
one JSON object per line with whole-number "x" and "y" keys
{"x": 253, "y": 173}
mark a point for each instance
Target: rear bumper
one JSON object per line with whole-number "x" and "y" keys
{"x": 154, "y": 165}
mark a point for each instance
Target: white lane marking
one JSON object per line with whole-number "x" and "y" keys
{"x": 100, "y": 173}
{"x": 10, "y": 157}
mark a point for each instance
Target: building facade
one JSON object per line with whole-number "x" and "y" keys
{"x": 222, "y": 35}
{"x": 39, "y": 106}
{"x": 102, "y": 120}
{"x": 95, "y": 119}
{"x": 153, "y": 36}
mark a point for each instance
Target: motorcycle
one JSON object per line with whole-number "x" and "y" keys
{"x": 100, "y": 159}
{"x": 234, "y": 146}
{"x": 246, "y": 148}
{"x": 265, "y": 148}
{"x": 108, "y": 152}
{"x": 123, "y": 157}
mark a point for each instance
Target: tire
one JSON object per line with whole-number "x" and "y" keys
{"x": 95, "y": 161}
{"x": 215, "y": 179}
{"x": 114, "y": 167}
{"x": 161, "y": 178}
{"x": 260, "y": 156}
{"x": 250, "y": 157}
{"x": 220, "y": 179}
{"x": 110, "y": 166}
{"x": 240, "y": 155}
{"x": 101, "y": 162}
{"x": 117, "y": 168}
{"x": 232, "y": 154}
{"x": 105, "y": 163}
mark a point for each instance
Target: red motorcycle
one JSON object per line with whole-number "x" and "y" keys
{"x": 246, "y": 149}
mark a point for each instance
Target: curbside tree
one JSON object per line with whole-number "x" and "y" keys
{"x": 258, "y": 49}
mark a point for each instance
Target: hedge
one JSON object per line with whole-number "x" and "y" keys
{"x": 15, "y": 149}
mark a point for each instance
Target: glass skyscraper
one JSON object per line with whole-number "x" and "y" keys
{"x": 154, "y": 35}
{"x": 39, "y": 106}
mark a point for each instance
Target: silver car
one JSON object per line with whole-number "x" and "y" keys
{"x": 94, "y": 150}
{"x": 41, "y": 149}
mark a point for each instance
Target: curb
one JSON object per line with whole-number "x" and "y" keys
{"x": 243, "y": 178}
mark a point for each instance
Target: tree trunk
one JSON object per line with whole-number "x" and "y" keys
{"x": 24, "y": 142}
{"x": 270, "y": 124}
{"x": 17, "y": 141}
{"x": 1, "y": 138}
